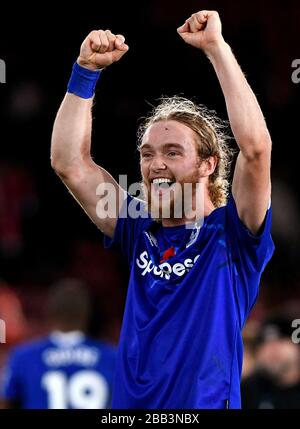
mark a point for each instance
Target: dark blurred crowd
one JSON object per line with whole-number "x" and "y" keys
{"x": 271, "y": 370}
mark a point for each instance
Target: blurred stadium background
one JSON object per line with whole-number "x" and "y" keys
{"x": 44, "y": 235}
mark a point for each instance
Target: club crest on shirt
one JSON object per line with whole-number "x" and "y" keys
{"x": 194, "y": 236}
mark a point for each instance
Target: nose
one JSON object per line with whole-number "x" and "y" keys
{"x": 157, "y": 164}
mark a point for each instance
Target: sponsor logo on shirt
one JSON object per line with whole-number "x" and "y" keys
{"x": 165, "y": 269}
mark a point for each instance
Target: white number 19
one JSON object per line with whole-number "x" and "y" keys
{"x": 83, "y": 390}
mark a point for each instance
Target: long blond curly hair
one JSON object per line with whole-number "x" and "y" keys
{"x": 213, "y": 138}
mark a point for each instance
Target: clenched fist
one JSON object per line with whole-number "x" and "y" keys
{"x": 202, "y": 30}
{"x": 100, "y": 49}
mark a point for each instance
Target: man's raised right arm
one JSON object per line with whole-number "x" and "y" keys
{"x": 71, "y": 138}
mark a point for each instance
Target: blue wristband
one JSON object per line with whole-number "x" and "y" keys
{"x": 83, "y": 81}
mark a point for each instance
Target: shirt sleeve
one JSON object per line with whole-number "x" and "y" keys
{"x": 250, "y": 255}
{"x": 254, "y": 251}
{"x": 12, "y": 378}
{"x": 132, "y": 220}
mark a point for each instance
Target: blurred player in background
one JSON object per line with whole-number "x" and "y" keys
{"x": 65, "y": 369}
{"x": 194, "y": 278}
{"x": 275, "y": 383}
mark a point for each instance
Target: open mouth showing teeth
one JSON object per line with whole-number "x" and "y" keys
{"x": 163, "y": 183}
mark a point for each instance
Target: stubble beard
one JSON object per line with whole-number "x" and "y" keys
{"x": 175, "y": 203}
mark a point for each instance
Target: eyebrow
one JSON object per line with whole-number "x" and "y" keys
{"x": 165, "y": 146}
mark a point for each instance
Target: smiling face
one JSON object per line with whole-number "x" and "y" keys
{"x": 169, "y": 159}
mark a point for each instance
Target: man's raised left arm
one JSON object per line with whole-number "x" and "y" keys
{"x": 251, "y": 187}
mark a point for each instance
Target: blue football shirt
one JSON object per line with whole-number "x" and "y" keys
{"x": 181, "y": 343}
{"x": 56, "y": 373}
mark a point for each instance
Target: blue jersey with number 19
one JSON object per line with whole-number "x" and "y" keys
{"x": 190, "y": 292}
{"x": 60, "y": 371}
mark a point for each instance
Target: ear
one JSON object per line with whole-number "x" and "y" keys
{"x": 208, "y": 166}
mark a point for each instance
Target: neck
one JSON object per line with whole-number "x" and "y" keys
{"x": 70, "y": 338}
{"x": 289, "y": 379}
{"x": 195, "y": 215}
{"x": 67, "y": 327}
